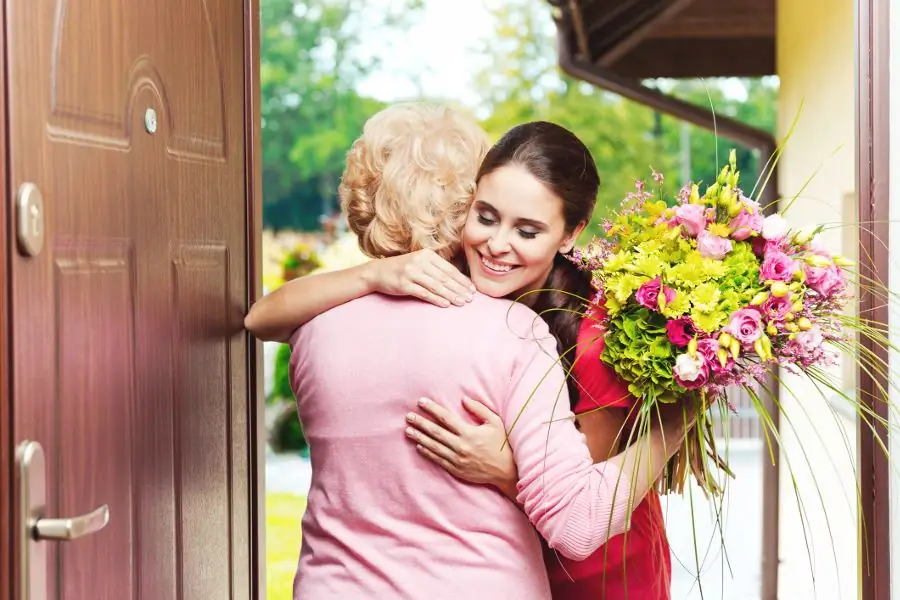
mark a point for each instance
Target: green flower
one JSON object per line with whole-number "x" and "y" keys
{"x": 705, "y": 297}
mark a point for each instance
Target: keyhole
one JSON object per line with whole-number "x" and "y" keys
{"x": 35, "y": 220}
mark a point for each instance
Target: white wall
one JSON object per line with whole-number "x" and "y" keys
{"x": 894, "y": 277}
{"x": 816, "y": 63}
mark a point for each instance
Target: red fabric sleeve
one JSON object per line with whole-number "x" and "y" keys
{"x": 598, "y": 384}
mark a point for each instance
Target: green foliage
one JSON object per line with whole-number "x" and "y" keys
{"x": 757, "y": 110}
{"x": 522, "y": 82}
{"x": 281, "y": 378}
{"x": 310, "y": 66}
{"x": 288, "y": 434}
{"x": 637, "y": 348}
{"x": 301, "y": 260}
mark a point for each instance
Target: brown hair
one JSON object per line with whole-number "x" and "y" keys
{"x": 556, "y": 157}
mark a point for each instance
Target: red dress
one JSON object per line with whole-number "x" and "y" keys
{"x": 639, "y": 560}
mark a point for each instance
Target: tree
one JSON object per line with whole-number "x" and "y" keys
{"x": 757, "y": 109}
{"x": 310, "y": 65}
{"x": 522, "y": 82}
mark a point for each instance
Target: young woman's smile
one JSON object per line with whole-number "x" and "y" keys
{"x": 514, "y": 230}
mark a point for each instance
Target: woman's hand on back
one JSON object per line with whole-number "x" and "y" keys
{"x": 478, "y": 453}
{"x": 424, "y": 275}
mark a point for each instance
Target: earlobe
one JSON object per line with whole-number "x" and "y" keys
{"x": 569, "y": 243}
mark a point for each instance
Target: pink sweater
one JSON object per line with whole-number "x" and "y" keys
{"x": 383, "y": 522}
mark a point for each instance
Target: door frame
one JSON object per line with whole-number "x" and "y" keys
{"x": 255, "y": 378}
{"x": 873, "y": 183}
{"x": 6, "y": 243}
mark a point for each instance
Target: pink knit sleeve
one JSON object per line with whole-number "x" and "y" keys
{"x": 574, "y": 504}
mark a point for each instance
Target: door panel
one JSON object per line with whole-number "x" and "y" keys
{"x": 129, "y": 366}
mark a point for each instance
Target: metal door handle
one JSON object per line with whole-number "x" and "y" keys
{"x": 34, "y": 529}
{"x": 63, "y": 530}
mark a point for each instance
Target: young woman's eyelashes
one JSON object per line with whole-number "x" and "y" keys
{"x": 488, "y": 220}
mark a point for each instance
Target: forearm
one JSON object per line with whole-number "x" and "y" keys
{"x": 275, "y": 316}
{"x": 643, "y": 462}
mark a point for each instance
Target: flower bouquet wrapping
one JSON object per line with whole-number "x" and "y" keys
{"x": 704, "y": 295}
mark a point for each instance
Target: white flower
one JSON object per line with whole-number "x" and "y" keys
{"x": 687, "y": 368}
{"x": 774, "y": 227}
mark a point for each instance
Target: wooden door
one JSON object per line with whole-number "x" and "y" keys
{"x": 129, "y": 365}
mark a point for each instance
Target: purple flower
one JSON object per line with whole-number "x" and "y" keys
{"x": 745, "y": 224}
{"x": 680, "y": 331}
{"x": 713, "y": 246}
{"x": 648, "y": 294}
{"x": 827, "y": 281}
{"x": 777, "y": 266}
{"x": 811, "y": 340}
{"x": 692, "y": 217}
{"x": 745, "y": 326}
{"x": 774, "y": 308}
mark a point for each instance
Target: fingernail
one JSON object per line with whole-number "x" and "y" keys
{"x": 423, "y": 402}
{"x": 410, "y": 431}
{"x": 460, "y": 300}
{"x": 410, "y": 417}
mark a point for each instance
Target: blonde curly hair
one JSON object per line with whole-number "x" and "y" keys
{"x": 410, "y": 178}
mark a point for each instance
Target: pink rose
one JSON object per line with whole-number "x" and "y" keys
{"x": 774, "y": 308}
{"x": 750, "y": 204}
{"x": 692, "y": 217}
{"x": 744, "y": 225}
{"x": 690, "y": 372}
{"x": 711, "y": 245}
{"x": 777, "y": 266}
{"x": 648, "y": 294}
{"x": 745, "y": 326}
{"x": 680, "y": 331}
{"x": 827, "y": 281}
{"x": 708, "y": 348}
{"x": 758, "y": 244}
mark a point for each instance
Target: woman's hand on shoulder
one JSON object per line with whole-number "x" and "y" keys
{"x": 421, "y": 274}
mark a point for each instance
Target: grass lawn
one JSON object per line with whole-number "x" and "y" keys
{"x": 283, "y": 515}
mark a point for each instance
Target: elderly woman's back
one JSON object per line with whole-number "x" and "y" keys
{"x": 381, "y": 522}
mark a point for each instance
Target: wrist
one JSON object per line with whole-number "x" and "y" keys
{"x": 368, "y": 275}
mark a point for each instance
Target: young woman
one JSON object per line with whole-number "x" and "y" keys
{"x": 536, "y": 191}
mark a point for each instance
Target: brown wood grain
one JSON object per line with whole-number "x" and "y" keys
{"x": 873, "y": 170}
{"x": 6, "y": 442}
{"x": 130, "y": 361}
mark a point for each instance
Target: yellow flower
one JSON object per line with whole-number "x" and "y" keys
{"x": 705, "y": 297}
{"x": 719, "y": 229}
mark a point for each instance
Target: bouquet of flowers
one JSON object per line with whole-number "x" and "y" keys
{"x": 703, "y": 293}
